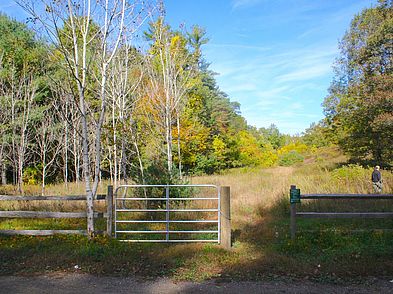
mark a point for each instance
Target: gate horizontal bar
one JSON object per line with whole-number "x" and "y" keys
{"x": 164, "y": 221}
{"x": 165, "y": 210}
{"x": 164, "y": 232}
{"x": 170, "y": 199}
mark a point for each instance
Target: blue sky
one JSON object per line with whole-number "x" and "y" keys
{"x": 273, "y": 56}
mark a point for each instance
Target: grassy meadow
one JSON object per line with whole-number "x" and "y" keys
{"x": 324, "y": 250}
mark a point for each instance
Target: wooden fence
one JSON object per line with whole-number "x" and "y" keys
{"x": 57, "y": 215}
{"x": 296, "y": 197}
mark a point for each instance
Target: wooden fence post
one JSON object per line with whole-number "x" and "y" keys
{"x": 293, "y": 214}
{"x": 109, "y": 210}
{"x": 225, "y": 217}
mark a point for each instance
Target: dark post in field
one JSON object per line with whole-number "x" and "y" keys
{"x": 294, "y": 196}
{"x": 109, "y": 210}
{"x": 225, "y": 217}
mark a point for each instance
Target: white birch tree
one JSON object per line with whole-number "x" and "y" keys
{"x": 23, "y": 90}
{"x": 171, "y": 70}
{"x": 126, "y": 75}
{"x": 48, "y": 138}
{"x": 87, "y": 33}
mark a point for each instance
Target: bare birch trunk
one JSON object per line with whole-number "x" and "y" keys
{"x": 168, "y": 137}
{"x": 43, "y": 181}
{"x": 66, "y": 150}
{"x": 81, "y": 82}
{"x": 86, "y": 171}
{"x": 4, "y": 175}
{"x": 178, "y": 144}
{"x": 2, "y": 165}
{"x": 123, "y": 161}
{"x": 99, "y": 130}
{"x": 114, "y": 143}
{"x": 20, "y": 173}
{"x": 76, "y": 156}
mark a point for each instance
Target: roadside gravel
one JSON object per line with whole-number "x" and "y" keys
{"x": 61, "y": 283}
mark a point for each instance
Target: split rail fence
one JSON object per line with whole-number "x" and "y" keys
{"x": 296, "y": 197}
{"x": 56, "y": 214}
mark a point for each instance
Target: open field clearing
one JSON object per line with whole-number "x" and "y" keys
{"x": 324, "y": 250}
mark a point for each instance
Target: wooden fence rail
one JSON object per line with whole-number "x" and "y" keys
{"x": 295, "y": 196}
{"x": 56, "y": 214}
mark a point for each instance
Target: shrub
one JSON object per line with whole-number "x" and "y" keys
{"x": 298, "y": 147}
{"x": 290, "y": 158}
{"x": 31, "y": 175}
{"x": 351, "y": 172}
{"x": 208, "y": 164}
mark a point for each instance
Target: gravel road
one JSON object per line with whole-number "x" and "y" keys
{"x": 83, "y": 283}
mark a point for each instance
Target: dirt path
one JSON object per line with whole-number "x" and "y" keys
{"x": 83, "y": 284}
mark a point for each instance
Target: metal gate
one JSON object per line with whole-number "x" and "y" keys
{"x": 160, "y": 212}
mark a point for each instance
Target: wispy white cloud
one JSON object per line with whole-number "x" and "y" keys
{"x": 9, "y": 5}
{"x": 278, "y": 62}
{"x": 296, "y": 106}
{"x": 264, "y": 104}
{"x": 276, "y": 86}
{"x": 243, "y": 87}
{"x": 244, "y": 3}
{"x": 239, "y": 46}
{"x": 273, "y": 92}
{"x": 305, "y": 74}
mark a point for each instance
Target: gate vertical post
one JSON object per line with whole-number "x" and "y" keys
{"x": 293, "y": 214}
{"x": 109, "y": 211}
{"x": 167, "y": 213}
{"x": 225, "y": 217}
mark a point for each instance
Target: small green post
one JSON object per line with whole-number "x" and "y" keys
{"x": 294, "y": 197}
{"x": 294, "y": 194}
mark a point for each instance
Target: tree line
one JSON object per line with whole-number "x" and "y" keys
{"x": 85, "y": 99}
{"x": 359, "y": 107}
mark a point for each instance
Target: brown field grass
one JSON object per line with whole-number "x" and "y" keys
{"x": 260, "y": 219}
{"x": 256, "y": 189}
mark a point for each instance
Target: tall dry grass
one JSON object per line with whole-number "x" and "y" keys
{"x": 257, "y": 188}
{"x": 252, "y": 189}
